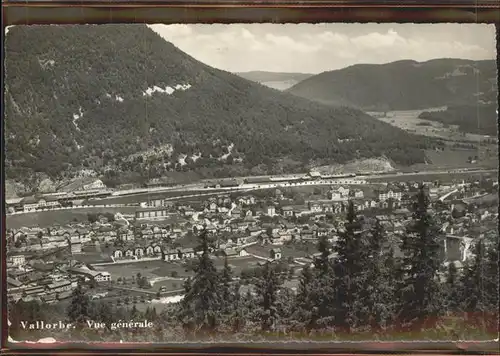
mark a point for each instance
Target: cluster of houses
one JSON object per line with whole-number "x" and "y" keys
{"x": 265, "y": 228}
{"x": 32, "y": 279}
{"x": 73, "y": 192}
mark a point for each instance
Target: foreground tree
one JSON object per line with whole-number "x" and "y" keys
{"x": 452, "y": 290}
{"x": 305, "y": 313}
{"x": 419, "y": 295}
{"x": 267, "y": 287}
{"x": 480, "y": 287}
{"x": 378, "y": 289}
{"x": 349, "y": 274}
{"x": 202, "y": 301}
{"x": 237, "y": 312}
{"x": 321, "y": 292}
{"x": 79, "y": 309}
{"x": 226, "y": 290}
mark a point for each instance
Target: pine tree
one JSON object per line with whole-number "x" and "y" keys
{"x": 226, "y": 279}
{"x": 480, "y": 287}
{"x": 267, "y": 288}
{"x": 391, "y": 276}
{"x": 321, "y": 263}
{"x": 306, "y": 310}
{"x": 105, "y": 314}
{"x": 134, "y": 313}
{"x": 349, "y": 269}
{"x": 378, "y": 290}
{"x": 147, "y": 313}
{"x": 419, "y": 297}
{"x": 491, "y": 285}
{"x": 237, "y": 318}
{"x": 322, "y": 289}
{"x": 79, "y": 308}
{"x": 153, "y": 316}
{"x": 202, "y": 301}
{"x": 452, "y": 290}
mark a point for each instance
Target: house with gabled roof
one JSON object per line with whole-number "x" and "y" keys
{"x": 128, "y": 252}
{"x": 287, "y": 211}
{"x": 275, "y": 254}
{"x": 186, "y": 253}
{"x": 307, "y": 235}
{"x": 315, "y": 207}
{"x": 58, "y": 287}
{"x": 171, "y": 255}
{"x": 34, "y": 203}
{"x": 236, "y": 213}
{"x": 254, "y": 230}
{"x": 153, "y": 249}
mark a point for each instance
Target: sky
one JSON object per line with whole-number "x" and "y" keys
{"x": 315, "y": 48}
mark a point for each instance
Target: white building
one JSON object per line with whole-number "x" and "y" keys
{"x": 359, "y": 194}
{"x": 35, "y": 203}
{"x": 18, "y": 260}
{"x": 103, "y": 277}
{"x": 390, "y": 194}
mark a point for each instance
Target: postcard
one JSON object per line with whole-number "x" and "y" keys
{"x": 236, "y": 183}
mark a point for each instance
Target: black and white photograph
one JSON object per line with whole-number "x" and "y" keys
{"x": 251, "y": 183}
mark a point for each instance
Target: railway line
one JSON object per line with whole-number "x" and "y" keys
{"x": 248, "y": 184}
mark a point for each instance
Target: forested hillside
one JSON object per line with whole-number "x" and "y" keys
{"x": 121, "y": 101}
{"x": 479, "y": 119}
{"x": 404, "y": 85}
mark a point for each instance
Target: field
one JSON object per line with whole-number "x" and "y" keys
{"x": 149, "y": 269}
{"x": 169, "y": 284}
{"x": 485, "y": 155}
{"x": 238, "y": 264}
{"x": 49, "y": 218}
{"x": 158, "y": 269}
{"x": 451, "y": 158}
{"x": 409, "y": 121}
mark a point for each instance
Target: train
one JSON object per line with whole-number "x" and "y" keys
{"x": 337, "y": 176}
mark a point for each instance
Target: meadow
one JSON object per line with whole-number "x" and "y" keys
{"x": 409, "y": 121}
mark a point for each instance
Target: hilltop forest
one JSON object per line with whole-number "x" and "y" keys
{"x": 404, "y": 85}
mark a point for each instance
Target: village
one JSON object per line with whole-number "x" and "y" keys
{"x": 146, "y": 256}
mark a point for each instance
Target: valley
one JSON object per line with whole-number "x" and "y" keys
{"x": 156, "y": 193}
{"x": 460, "y": 150}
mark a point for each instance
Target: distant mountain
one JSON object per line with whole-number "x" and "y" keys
{"x": 279, "y": 81}
{"x": 404, "y": 85}
{"x": 121, "y": 102}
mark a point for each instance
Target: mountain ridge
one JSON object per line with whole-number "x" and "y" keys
{"x": 275, "y": 80}
{"x": 268, "y": 76}
{"x": 403, "y": 85}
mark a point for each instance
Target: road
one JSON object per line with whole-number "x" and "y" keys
{"x": 152, "y": 292}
